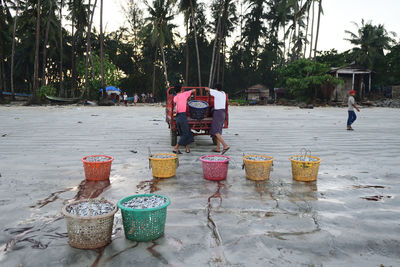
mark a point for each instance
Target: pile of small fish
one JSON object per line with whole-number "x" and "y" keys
{"x": 309, "y": 159}
{"x": 97, "y": 159}
{"x": 198, "y": 104}
{"x": 257, "y": 158}
{"x": 161, "y": 156}
{"x": 145, "y": 202}
{"x": 211, "y": 158}
{"x": 90, "y": 208}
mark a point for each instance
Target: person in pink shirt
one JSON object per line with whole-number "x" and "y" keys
{"x": 185, "y": 135}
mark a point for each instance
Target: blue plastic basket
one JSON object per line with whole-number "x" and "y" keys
{"x": 195, "y": 112}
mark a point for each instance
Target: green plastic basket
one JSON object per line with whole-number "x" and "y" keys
{"x": 143, "y": 224}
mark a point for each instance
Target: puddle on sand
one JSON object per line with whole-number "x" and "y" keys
{"x": 157, "y": 254}
{"x": 118, "y": 253}
{"x": 21, "y": 232}
{"x": 100, "y": 252}
{"x": 51, "y": 198}
{"x": 91, "y": 189}
{"x": 211, "y": 224}
{"x": 148, "y": 186}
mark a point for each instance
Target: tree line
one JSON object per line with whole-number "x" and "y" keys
{"x": 51, "y": 47}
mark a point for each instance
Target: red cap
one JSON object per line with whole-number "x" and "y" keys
{"x": 352, "y": 92}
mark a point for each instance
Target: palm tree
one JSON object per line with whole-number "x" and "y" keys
{"x": 36, "y": 64}
{"x": 316, "y": 37}
{"x": 102, "y": 49}
{"x": 370, "y": 42}
{"x": 161, "y": 29}
{"x": 18, "y": 5}
{"x": 46, "y": 39}
{"x": 61, "y": 90}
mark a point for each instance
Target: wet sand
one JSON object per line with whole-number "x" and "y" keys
{"x": 348, "y": 217}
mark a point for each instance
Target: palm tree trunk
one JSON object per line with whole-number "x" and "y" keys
{"x": 154, "y": 73}
{"x": 73, "y": 68}
{"x": 165, "y": 67}
{"x": 306, "y": 36}
{"x": 85, "y": 92}
{"x": 90, "y": 40}
{"x": 13, "y": 51}
{"x": 196, "y": 43}
{"x": 62, "y": 93}
{"x": 187, "y": 56}
{"x": 36, "y": 64}
{"x": 316, "y": 37}
{"x": 46, "y": 39}
{"x": 312, "y": 30}
{"x": 210, "y": 81}
{"x": 102, "y": 49}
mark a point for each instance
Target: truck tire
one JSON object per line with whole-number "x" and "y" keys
{"x": 173, "y": 137}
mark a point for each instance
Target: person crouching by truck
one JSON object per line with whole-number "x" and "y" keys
{"x": 182, "y": 124}
{"x": 218, "y": 117}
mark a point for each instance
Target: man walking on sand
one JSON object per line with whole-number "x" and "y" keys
{"x": 351, "y": 106}
{"x": 218, "y": 117}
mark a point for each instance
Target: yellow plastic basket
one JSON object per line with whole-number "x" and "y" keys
{"x": 163, "y": 167}
{"x": 257, "y": 170}
{"x": 305, "y": 171}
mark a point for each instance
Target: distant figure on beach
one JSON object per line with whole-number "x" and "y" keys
{"x": 125, "y": 99}
{"x": 135, "y": 98}
{"x": 218, "y": 117}
{"x": 185, "y": 135}
{"x": 351, "y": 106}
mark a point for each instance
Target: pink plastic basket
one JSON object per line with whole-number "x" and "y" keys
{"x": 215, "y": 170}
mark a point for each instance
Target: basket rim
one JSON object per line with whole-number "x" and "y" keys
{"x": 302, "y": 161}
{"x": 194, "y": 100}
{"x": 171, "y": 154}
{"x": 67, "y": 214}
{"x": 221, "y": 156}
{"x": 257, "y": 155}
{"x": 96, "y": 162}
{"x": 125, "y": 199}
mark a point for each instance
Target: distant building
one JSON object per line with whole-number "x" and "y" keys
{"x": 355, "y": 77}
{"x": 257, "y": 94}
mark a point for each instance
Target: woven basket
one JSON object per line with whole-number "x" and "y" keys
{"x": 97, "y": 171}
{"x": 195, "y": 112}
{"x": 258, "y": 170}
{"x": 89, "y": 232}
{"x": 143, "y": 224}
{"x": 305, "y": 171}
{"x": 164, "y": 167}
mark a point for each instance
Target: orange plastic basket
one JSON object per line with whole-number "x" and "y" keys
{"x": 97, "y": 171}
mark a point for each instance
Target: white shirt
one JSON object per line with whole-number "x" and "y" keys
{"x": 219, "y": 98}
{"x": 350, "y": 103}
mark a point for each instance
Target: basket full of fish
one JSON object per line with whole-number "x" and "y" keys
{"x": 197, "y": 109}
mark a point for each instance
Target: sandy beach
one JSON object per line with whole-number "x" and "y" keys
{"x": 348, "y": 217}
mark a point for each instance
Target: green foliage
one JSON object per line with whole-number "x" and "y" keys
{"x": 393, "y": 65}
{"x": 46, "y": 90}
{"x": 303, "y": 78}
{"x": 111, "y": 75}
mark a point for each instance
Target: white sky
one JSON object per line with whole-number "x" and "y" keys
{"x": 338, "y": 17}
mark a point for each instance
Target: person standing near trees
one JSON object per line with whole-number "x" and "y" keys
{"x": 125, "y": 99}
{"x": 185, "y": 135}
{"x": 218, "y": 117}
{"x": 351, "y": 106}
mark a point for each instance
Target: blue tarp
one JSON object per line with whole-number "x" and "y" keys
{"x": 111, "y": 90}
